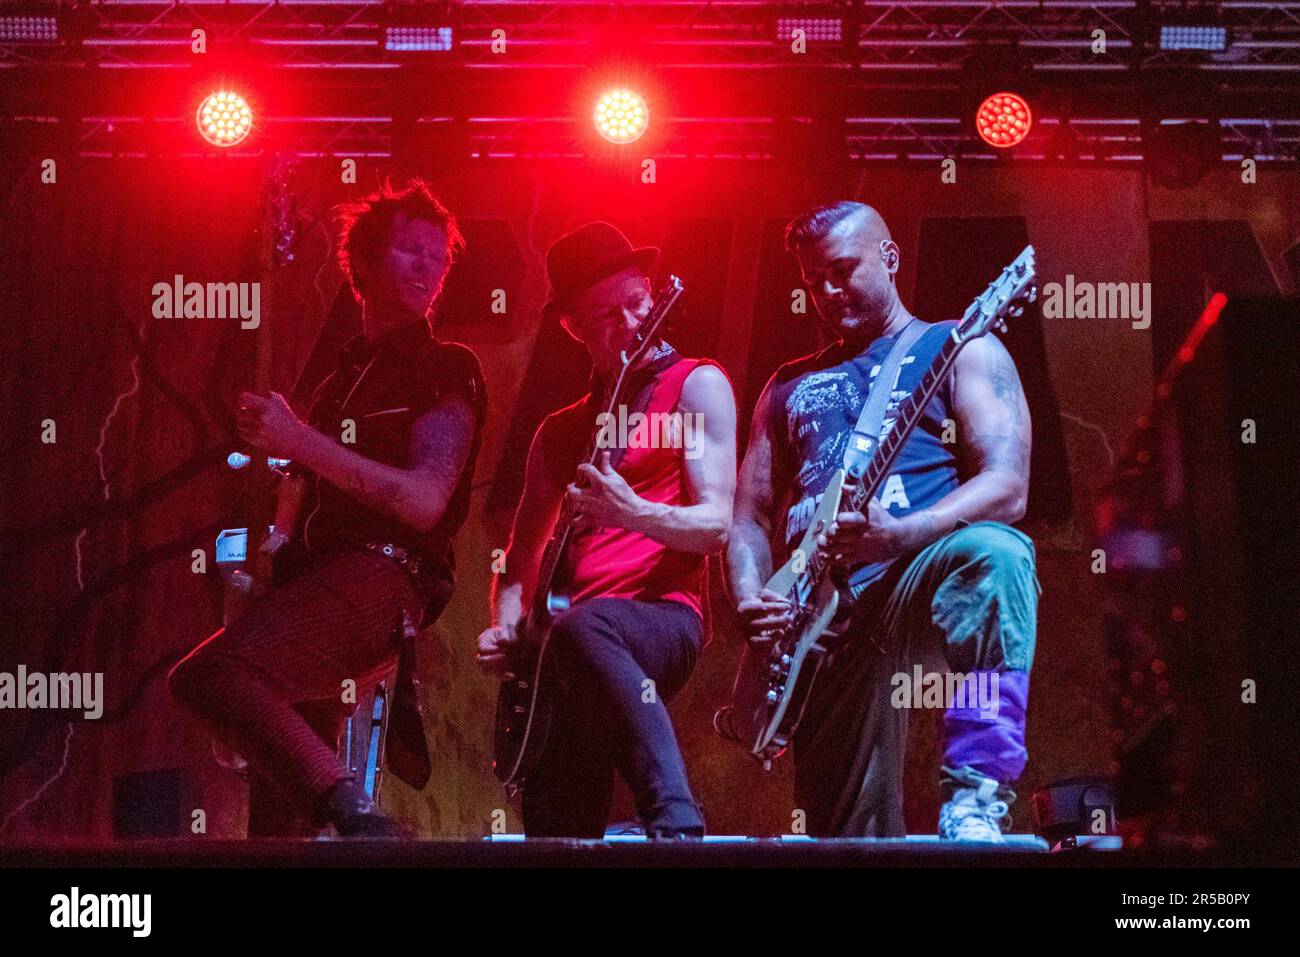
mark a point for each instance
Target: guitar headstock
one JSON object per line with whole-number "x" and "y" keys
{"x": 647, "y": 333}
{"x": 1005, "y": 296}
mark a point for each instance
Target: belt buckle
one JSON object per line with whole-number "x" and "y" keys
{"x": 404, "y": 559}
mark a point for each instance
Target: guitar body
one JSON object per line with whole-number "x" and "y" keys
{"x": 774, "y": 681}
{"x": 523, "y": 715}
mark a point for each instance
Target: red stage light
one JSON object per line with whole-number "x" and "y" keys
{"x": 621, "y": 116}
{"x": 224, "y": 118}
{"x": 1003, "y": 120}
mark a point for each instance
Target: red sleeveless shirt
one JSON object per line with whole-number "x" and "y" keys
{"x": 616, "y": 562}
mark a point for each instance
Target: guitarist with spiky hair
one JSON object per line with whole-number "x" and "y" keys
{"x": 647, "y": 515}
{"x": 382, "y": 466}
{"x": 936, "y": 570}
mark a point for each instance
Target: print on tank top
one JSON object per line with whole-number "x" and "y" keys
{"x": 820, "y": 409}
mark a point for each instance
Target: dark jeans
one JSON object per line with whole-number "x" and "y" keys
{"x": 967, "y": 603}
{"x": 618, "y": 662}
{"x": 271, "y": 683}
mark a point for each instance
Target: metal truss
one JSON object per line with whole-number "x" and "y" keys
{"x": 925, "y": 35}
{"x": 894, "y": 87}
{"x": 1116, "y": 141}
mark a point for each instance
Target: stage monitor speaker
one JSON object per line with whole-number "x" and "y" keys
{"x": 150, "y": 804}
{"x": 1292, "y": 259}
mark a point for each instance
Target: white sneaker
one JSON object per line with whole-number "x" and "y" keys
{"x": 973, "y": 814}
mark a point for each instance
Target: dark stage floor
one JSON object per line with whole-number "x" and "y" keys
{"x": 573, "y": 853}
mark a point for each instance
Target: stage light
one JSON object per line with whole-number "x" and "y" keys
{"x": 1003, "y": 120}
{"x": 417, "y": 39}
{"x": 621, "y": 116}
{"x": 815, "y": 29}
{"x": 1210, "y": 37}
{"x": 224, "y": 118}
{"x": 29, "y": 29}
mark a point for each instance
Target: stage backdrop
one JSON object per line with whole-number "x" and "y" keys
{"x": 99, "y": 524}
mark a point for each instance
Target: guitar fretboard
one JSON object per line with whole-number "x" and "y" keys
{"x": 647, "y": 336}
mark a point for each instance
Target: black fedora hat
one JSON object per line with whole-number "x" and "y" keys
{"x": 582, "y": 258}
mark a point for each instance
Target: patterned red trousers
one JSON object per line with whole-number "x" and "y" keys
{"x": 291, "y": 654}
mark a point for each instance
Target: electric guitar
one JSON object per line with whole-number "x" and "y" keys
{"x": 523, "y": 714}
{"x": 773, "y": 683}
{"x": 246, "y": 564}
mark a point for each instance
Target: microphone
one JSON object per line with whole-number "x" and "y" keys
{"x": 238, "y": 460}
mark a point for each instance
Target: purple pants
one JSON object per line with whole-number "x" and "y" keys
{"x": 968, "y": 604}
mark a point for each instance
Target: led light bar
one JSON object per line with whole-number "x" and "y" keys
{"x": 1188, "y": 36}
{"x": 815, "y": 29}
{"x": 29, "y": 29}
{"x": 418, "y": 39}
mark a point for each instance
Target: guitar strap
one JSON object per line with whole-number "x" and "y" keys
{"x": 866, "y": 434}
{"x": 637, "y": 389}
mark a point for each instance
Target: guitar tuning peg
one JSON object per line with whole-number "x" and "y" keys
{"x": 1032, "y": 295}
{"x": 1001, "y": 326}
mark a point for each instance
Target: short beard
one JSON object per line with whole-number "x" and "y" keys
{"x": 853, "y": 324}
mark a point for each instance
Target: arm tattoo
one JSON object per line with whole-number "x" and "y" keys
{"x": 1001, "y": 453}
{"x": 385, "y": 495}
{"x": 749, "y": 549}
{"x": 1005, "y": 382}
{"x": 440, "y": 441}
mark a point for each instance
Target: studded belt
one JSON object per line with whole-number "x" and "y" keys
{"x": 398, "y": 554}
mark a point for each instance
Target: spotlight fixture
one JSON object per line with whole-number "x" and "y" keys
{"x": 621, "y": 116}
{"x": 1004, "y": 120}
{"x": 224, "y": 118}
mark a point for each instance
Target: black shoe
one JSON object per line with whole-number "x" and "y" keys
{"x": 371, "y": 824}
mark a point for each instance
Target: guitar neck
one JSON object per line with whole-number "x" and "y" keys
{"x": 261, "y": 489}
{"x": 550, "y": 564}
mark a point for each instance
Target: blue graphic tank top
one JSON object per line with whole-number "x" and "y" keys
{"x": 814, "y": 404}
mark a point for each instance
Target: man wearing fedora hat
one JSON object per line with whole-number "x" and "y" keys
{"x": 647, "y": 517}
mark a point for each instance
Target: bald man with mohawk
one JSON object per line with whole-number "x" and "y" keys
{"x": 938, "y": 575}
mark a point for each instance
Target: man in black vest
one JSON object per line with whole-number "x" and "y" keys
{"x": 382, "y": 469}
